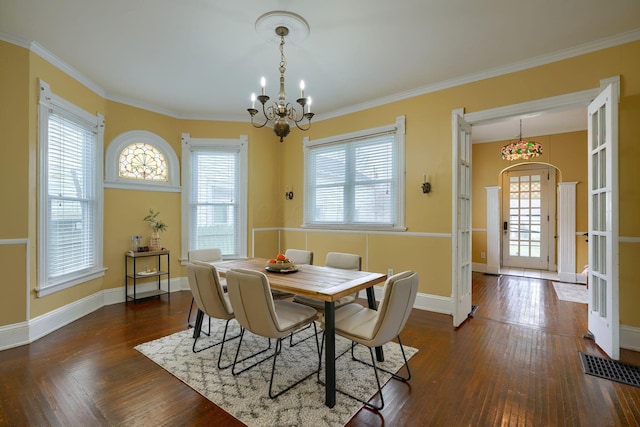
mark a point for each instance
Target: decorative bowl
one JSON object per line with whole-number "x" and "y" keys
{"x": 280, "y": 265}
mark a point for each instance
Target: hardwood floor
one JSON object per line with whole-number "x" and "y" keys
{"x": 515, "y": 363}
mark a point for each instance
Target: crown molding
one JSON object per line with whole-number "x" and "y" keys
{"x": 560, "y": 55}
{"x": 537, "y": 61}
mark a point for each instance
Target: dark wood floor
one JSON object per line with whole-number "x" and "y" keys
{"x": 514, "y": 364}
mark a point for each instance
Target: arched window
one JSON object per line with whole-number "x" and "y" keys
{"x": 141, "y": 160}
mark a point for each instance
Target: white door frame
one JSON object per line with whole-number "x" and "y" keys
{"x": 558, "y": 103}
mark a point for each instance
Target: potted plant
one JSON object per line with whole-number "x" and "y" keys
{"x": 157, "y": 225}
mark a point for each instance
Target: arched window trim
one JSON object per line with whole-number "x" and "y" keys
{"x": 112, "y": 157}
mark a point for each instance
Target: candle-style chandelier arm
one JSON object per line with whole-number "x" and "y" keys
{"x": 293, "y": 113}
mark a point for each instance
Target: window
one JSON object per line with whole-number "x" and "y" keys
{"x": 141, "y": 160}
{"x": 215, "y": 195}
{"x": 70, "y": 209}
{"x": 356, "y": 181}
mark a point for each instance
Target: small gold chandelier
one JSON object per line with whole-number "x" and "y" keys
{"x": 521, "y": 149}
{"x": 282, "y": 112}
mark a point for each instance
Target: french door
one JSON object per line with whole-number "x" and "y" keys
{"x": 526, "y": 217}
{"x": 461, "y": 226}
{"x": 603, "y": 320}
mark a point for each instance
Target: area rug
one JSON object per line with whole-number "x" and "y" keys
{"x": 246, "y": 396}
{"x": 571, "y": 292}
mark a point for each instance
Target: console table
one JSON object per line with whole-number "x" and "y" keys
{"x": 133, "y": 275}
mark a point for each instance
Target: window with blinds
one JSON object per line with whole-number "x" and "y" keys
{"x": 356, "y": 180}
{"x": 216, "y": 188}
{"x": 71, "y": 197}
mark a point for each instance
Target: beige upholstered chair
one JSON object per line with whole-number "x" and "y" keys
{"x": 335, "y": 260}
{"x": 374, "y": 328}
{"x": 209, "y": 256}
{"x": 257, "y": 312}
{"x": 210, "y": 299}
{"x": 299, "y": 256}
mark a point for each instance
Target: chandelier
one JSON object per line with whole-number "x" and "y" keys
{"x": 521, "y": 149}
{"x": 281, "y": 113}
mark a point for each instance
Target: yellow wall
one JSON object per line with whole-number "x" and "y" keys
{"x": 426, "y": 247}
{"x": 567, "y": 152}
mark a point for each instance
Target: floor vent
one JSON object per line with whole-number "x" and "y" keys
{"x": 610, "y": 369}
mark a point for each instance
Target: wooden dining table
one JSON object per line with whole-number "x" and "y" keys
{"x": 324, "y": 283}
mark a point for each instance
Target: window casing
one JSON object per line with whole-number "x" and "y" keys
{"x": 70, "y": 194}
{"x": 214, "y": 202}
{"x": 356, "y": 181}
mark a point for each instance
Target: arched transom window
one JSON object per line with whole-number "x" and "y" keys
{"x": 142, "y": 161}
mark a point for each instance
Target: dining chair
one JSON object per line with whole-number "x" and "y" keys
{"x": 299, "y": 256}
{"x": 334, "y": 260}
{"x": 204, "y": 255}
{"x": 211, "y": 299}
{"x": 374, "y": 328}
{"x": 257, "y": 311}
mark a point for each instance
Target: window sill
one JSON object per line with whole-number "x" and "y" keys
{"x": 70, "y": 282}
{"x": 143, "y": 186}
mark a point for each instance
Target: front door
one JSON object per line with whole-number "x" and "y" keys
{"x": 526, "y": 216}
{"x": 604, "y": 322}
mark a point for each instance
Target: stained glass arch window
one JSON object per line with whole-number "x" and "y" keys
{"x": 141, "y": 160}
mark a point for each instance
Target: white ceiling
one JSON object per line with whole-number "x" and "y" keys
{"x": 203, "y": 58}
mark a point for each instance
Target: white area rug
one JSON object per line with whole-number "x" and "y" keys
{"x": 571, "y": 292}
{"x": 246, "y": 396}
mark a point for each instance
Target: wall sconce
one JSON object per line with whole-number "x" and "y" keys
{"x": 426, "y": 185}
{"x": 288, "y": 195}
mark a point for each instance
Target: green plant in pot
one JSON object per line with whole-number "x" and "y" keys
{"x": 157, "y": 225}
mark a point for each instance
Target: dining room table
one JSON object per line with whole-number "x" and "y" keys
{"x": 324, "y": 283}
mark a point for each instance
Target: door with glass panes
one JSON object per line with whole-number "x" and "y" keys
{"x": 526, "y": 217}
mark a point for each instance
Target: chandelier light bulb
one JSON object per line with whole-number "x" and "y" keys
{"x": 253, "y": 100}
{"x": 263, "y": 83}
{"x": 309, "y": 105}
{"x": 301, "y": 88}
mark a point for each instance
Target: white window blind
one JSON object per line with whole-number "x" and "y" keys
{"x": 215, "y": 172}
{"x": 355, "y": 181}
{"x": 70, "y": 208}
{"x": 71, "y": 194}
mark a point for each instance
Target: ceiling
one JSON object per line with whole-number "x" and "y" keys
{"x": 203, "y": 58}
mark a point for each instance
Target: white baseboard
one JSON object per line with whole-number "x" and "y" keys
{"x": 23, "y": 333}
{"x": 479, "y": 267}
{"x": 426, "y": 302}
{"x": 630, "y": 337}
{"x": 567, "y": 277}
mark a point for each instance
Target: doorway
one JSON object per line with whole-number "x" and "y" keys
{"x": 528, "y": 217}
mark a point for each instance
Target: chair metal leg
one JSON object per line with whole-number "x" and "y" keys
{"x": 292, "y": 344}
{"x": 224, "y": 339}
{"x": 273, "y": 368}
{"x": 236, "y": 361}
{"x": 393, "y": 374}
{"x": 189, "y": 325}
{"x": 375, "y": 370}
